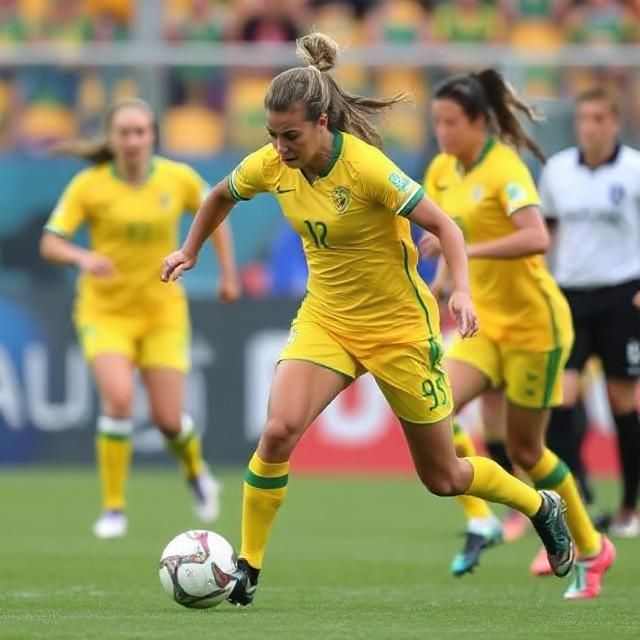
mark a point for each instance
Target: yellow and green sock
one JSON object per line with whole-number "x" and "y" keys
{"x": 491, "y": 482}
{"x": 552, "y": 473}
{"x": 187, "y": 447}
{"x": 113, "y": 453}
{"x": 474, "y": 508}
{"x": 265, "y": 486}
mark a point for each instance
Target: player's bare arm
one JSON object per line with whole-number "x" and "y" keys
{"x": 431, "y": 218}
{"x": 210, "y": 216}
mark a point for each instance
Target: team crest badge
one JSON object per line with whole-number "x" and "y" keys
{"x": 341, "y": 197}
{"x": 165, "y": 201}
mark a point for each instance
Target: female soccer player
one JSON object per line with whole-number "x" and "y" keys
{"x": 366, "y": 308}
{"x": 592, "y": 194}
{"x": 525, "y": 323}
{"x": 132, "y": 201}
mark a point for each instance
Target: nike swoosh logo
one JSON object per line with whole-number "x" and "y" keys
{"x": 442, "y": 187}
{"x": 279, "y": 190}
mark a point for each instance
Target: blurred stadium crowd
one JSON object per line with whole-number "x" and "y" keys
{"x": 209, "y": 115}
{"x": 207, "y": 109}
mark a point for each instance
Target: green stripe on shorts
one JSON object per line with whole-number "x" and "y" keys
{"x": 553, "y": 369}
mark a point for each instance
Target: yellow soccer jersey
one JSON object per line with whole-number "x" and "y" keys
{"x": 136, "y": 227}
{"x": 362, "y": 261}
{"x": 517, "y": 301}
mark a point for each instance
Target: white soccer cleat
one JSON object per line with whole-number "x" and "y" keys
{"x": 625, "y": 525}
{"x": 206, "y": 492}
{"x": 111, "y": 524}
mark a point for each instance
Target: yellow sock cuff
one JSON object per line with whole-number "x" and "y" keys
{"x": 549, "y": 472}
{"x": 266, "y": 475}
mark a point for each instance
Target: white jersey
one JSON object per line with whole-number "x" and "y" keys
{"x": 597, "y": 212}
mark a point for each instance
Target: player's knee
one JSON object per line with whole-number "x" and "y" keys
{"x": 280, "y": 435}
{"x": 525, "y": 454}
{"x": 443, "y": 484}
{"x": 622, "y": 401}
{"x": 118, "y": 403}
{"x": 168, "y": 424}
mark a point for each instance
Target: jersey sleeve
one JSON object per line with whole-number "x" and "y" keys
{"x": 195, "y": 190}
{"x": 389, "y": 186}
{"x": 247, "y": 179}
{"x": 517, "y": 189}
{"x": 71, "y": 210}
{"x": 546, "y": 197}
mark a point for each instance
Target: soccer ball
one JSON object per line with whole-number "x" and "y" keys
{"x": 196, "y": 569}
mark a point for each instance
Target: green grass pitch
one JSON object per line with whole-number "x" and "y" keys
{"x": 349, "y": 558}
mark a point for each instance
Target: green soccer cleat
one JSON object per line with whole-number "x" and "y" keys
{"x": 246, "y": 584}
{"x": 477, "y": 540}
{"x": 551, "y": 525}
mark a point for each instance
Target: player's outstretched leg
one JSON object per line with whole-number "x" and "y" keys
{"x": 483, "y": 528}
{"x": 299, "y": 393}
{"x": 548, "y": 472}
{"x": 443, "y": 473}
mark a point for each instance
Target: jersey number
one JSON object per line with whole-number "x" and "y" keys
{"x": 318, "y": 232}
{"x": 430, "y": 390}
{"x": 139, "y": 232}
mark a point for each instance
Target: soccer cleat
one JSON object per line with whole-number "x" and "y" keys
{"x": 540, "y": 564}
{"x": 244, "y": 590}
{"x": 551, "y": 525}
{"x": 206, "y": 492}
{"x": 111, "y": 524}
{"x": 477, "y": 540}
{"x": 588, "y": 574}
{"x": 625, "y": 525}
{"x": 514, "y": 526}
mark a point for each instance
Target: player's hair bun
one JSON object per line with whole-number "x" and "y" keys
{"x": 318, "y": 50}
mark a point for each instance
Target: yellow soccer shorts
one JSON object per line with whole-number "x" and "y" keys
{"x": 150, "y": 340}
{"x": 531, "y": 379}
{"x": 410, "y": 375}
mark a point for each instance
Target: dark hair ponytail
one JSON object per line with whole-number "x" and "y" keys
{"x": 488, "y": 93}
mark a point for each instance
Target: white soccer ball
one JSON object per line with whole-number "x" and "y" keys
{"x": 196, "y": 569}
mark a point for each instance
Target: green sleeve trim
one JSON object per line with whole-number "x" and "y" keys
{"x": 551, "y": 481}
{"x": 52, "y": 228}
{"x": 457, "y": 429}
{"x": 412, "y": 203}
{"x": 260, "y": 482}
{"x": 234, "y": 191}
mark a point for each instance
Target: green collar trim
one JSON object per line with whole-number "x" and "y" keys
{"x": 150, "y": 169}
{"x": 488, "y": 145}
{"x": 338, "y": 141}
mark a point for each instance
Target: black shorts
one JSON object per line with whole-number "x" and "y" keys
{"x": 607, "y": 325}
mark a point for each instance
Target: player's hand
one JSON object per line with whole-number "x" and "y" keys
{"x": 95, "y": 264}
{"x": 175, "y": 264}
{"x": 230, "y": 289}
{"x": 636, "y": 300}
{"x": 461, "y": 308}
{"x": 429, "y": 245}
